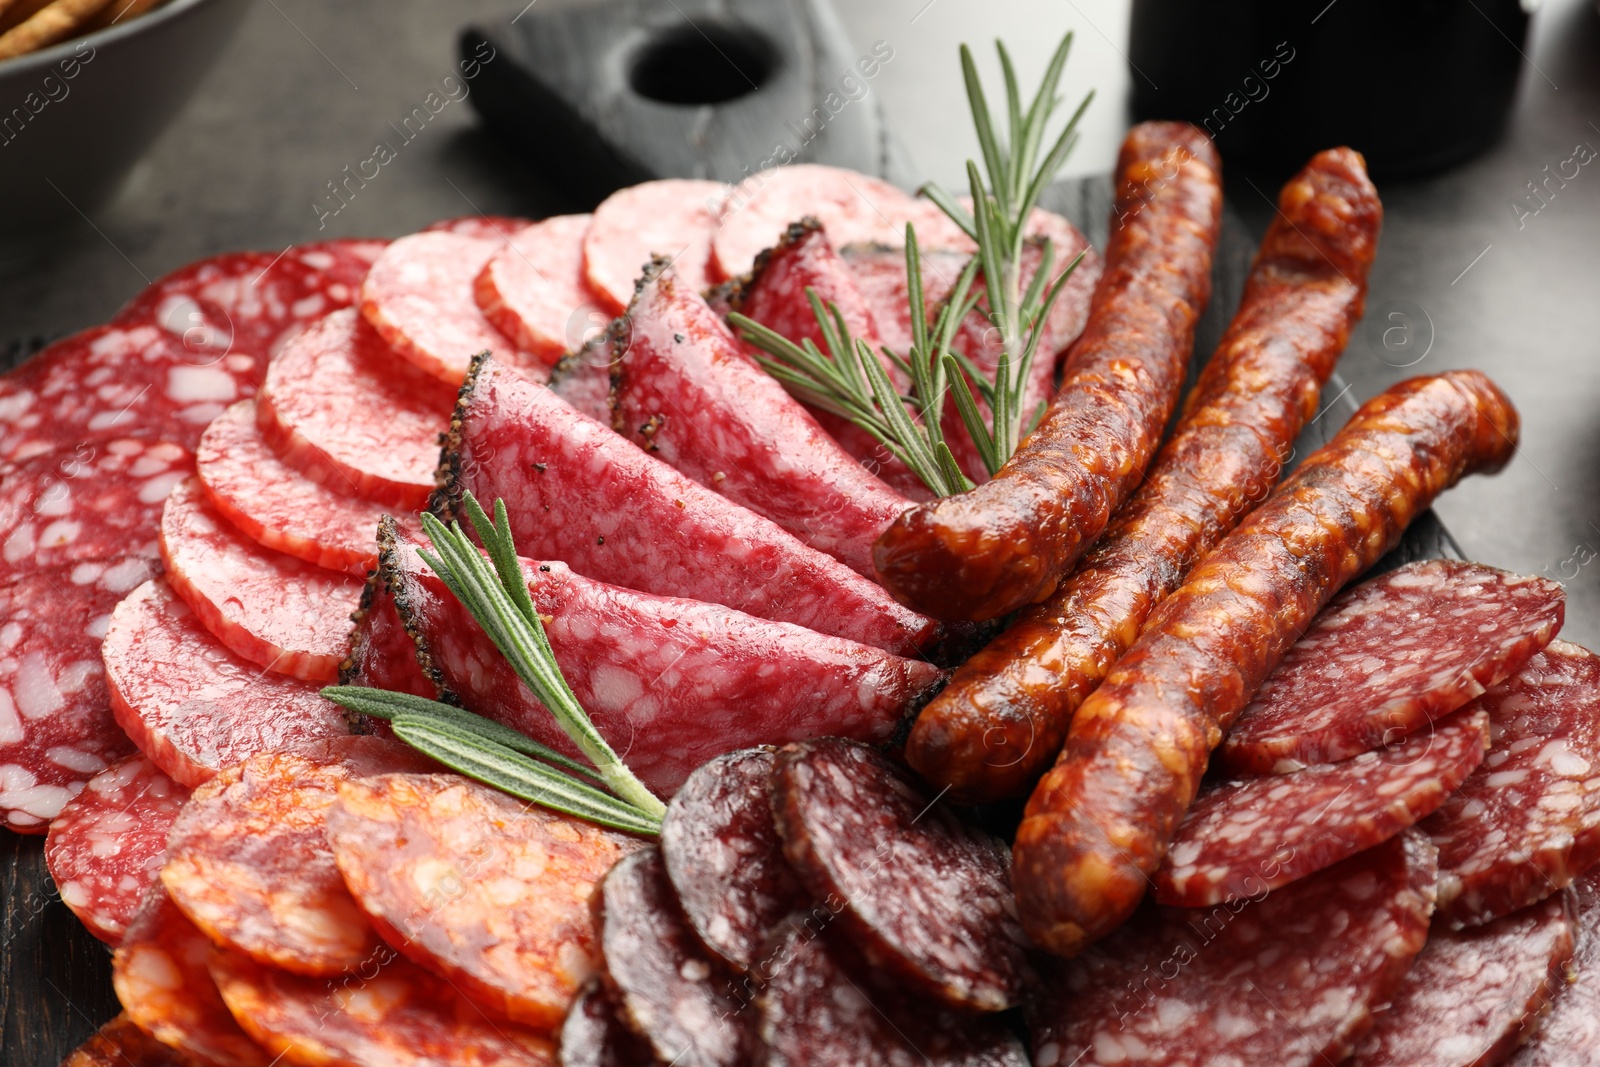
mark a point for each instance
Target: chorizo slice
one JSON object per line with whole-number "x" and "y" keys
{"x": 120, "y": 1043}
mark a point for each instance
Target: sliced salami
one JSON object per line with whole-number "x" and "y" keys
{"x": 489, "y": 892}
{"x": 1291, "y": 979}
{"x": 593, "y": 1036}
{"x": 673, "y": 218}
{"x": 1570, "y": 1033}
{"x": 1388, "y": 657}
{"x": 1244, "y": 837}
{"x": 819, "y": 1008}
{"x": 583, "y": 379}
{"x": 534, "y": 292}
{"x": 667, "y": 989}
{"x": 338, "y": 404}
{"x": 160, "y": 975}
{"x": 191, "y": 705}
{"x": 579, "y": 493}
{"x": 924, "y": 894}
{"x": 1474, "y": 995}
{"x": 107, "y": 845}
{"x": 56, "y": 728}
{"x": 280, "y": 507}
{"x": 383, "y": 655}
{"x": 1527, "y": 822}
{"x": 724, "y": 856}
{"x": 393, "y": 1015}
{"x": 276, "y": 611}
{"x": 880, "y": 274}
{"x": 120, "y": 1043}
{"x": 671, "y": 682}
{"x": 249, "y": 863}
{"x": 484, "y": 227}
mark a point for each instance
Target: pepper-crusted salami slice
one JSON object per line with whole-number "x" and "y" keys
{"x": 923, "y": 893}
{"x": 1244, "y": 837}
{"x": 56, "y": 727}
{"x": 1292, "y": 978}
{"x": 383, "y": 654}
{"x": 682, "y": 390}
{"x": 280, "y": 507}
{"x": 983, "y": 554}
{"x": 107, "y": 845}
{"x": 160, "y": 975}
{"x": 673, "y": 218}
{"x": 1099, "y": 823}
{"x": 593, "y": 1036}
{"x": 534, "y": 292}
{"x": 1570, "y": 1032}
{"x": 668, "y": 990}
{"x": 338, "y": 404}
{"x": 191, "y": 705}
{"x": 483, "y": 227}
{"x": 120, "y": 1043}
{"x": 249, "y": 862}
{"x": 1474, "y": 995}
{"x": 1388, "y": 657}
{"x": 1527, "y": 822}
{"x": 995, "y": 728}
{"x": 579, "y": 493}
{"x": 276, "y": 611}
{"x": 724, "y": 856}
{"x": 393, "y": 1015}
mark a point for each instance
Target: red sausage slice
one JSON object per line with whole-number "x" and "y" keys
{"x": 533, "y": 290}
{"x": 1570, "y": 1034}
{"x": 483, "y": 227}
{"x": 120, "y": 1043}
{"x": 673, "y": 218}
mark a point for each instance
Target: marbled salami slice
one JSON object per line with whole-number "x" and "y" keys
{"x": 1474, "y": 995}
{"x": 593, "y": 1036}
{"x": 724, "y": 856}
{"x": 483, "y": 227}
{"x": 1244, "y": 837}
{"x": 383, "y": 655}
{"x": 107, "y": 845}
{"x": 487, "y": 891}
{"x": 1292, "y": 979}
{"x": 924, "y": 894}
{"x": 120, "y": 1043}
{"x": 1570, "y": 1033}
{"x": 276, "y": 611}
{"x": 1390, "y": 656}
{"x": 249, "y": 862}
{"x": 819, "y": 1008}
{"x": 393, "y": 1015}
{"x": 280, "y": 507}
{"x": 674, "y": 218}
{"x": 580, "y": 493}
{"x": 191, "y": 705}
{"x": 338, "y": 404}
{"x": 534, "y": 292}
{"x": 667, "y": 988}
{"x": 56, "y": 727}
{"x": 160, "y": 975}
{"x": 1527, "y": 822}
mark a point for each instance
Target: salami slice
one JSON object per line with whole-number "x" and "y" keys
{"x": 1570, "y": 1034}
{"x": 56, "y": 727}
{"x": 107, "y": 845}
{"x": 724, "y": 856}
{"x": 120, "y": 1043}
{"x": 593, "y": 1036}
{"x": 1292, "y": 978}
{"x": 487, "y": 891}
{"x": 819, "y": 1009}
{"x": 880, "y": 273}
{"x": 533, "y": 290}
{"x": 276, "y": 611}
{"x": 924, "y": 894}
{"x": 668, "y": 990}
{"x": 396, "y": 1015}
{"x": 249, "y": 863}
{"x": 483, "y": 227}
{"x": 673, "y": 218}
{"x": 191, "y": 705}
{"x": 671, "y": 682}
{"x": 278, "y": 506}
{"x": 383, "y": 655}
{"x": 160, "y": 975}
{"x": 1389, "y": 656}
{"x": 579, "y": 493}
{"x": 583, "y": 379}
{"x": 1474, "y": 995}
{"x": 1528, "y": 820}
{"x": 1245, "y": 837}
{"x": 339, "y": 405}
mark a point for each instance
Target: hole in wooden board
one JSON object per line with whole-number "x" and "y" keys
{"x": 707, "y": 63}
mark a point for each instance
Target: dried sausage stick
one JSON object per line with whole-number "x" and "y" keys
{"x": 1098, "y": 825}
{"x": 1007, "y": 543}
{"x": 1002, "y": 719}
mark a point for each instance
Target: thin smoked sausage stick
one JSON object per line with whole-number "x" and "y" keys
{"x": 1098, "y": 825}
{"x": 983, "y": 554}
{"x": 996, "y": 727}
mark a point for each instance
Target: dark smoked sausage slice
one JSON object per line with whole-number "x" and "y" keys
{"x": 1098, "y": 825}
{"x": 593, "y": 1036}
{"x": 996, "y": 727}
{"x": 1570, "y": 1033}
